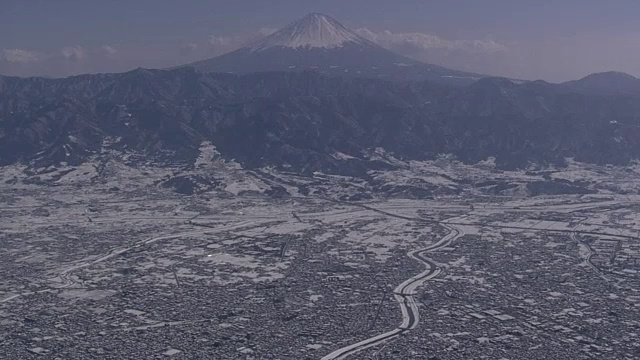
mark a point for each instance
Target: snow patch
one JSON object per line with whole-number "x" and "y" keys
{"x": 312, "y": 31}
{"x": 207, "y": 153}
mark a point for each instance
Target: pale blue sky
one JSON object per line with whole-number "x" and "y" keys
{"x": 554, "y": 40}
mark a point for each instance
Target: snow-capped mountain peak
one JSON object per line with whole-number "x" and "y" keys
{"x": 312, "y": 31}
{"x": 321, "y": 44}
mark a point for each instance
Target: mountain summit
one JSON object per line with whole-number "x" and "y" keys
{"x": 320, "y": 43}
{"x": 312, "y": 31}
{"x": 606, "y": 83}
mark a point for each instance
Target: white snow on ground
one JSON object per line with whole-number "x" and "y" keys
{"x": 207, "y": 154}
{"x": 255, "y": 270}
{"x": 381, "y": 154}
{"x": 87, "y": 294}
{"x": 14, "y": 175}
{"x": 608, "y": 179}
{"x": 342, "y": 156}
{"x": 411, "y": 177}
{"x": 374, "y": 239}
{"x": 83, "y": 173}
{"x": 244, "y": 185}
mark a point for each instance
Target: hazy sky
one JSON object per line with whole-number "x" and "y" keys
{"x": 543, "y": 39}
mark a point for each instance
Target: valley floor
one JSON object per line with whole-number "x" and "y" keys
{"x": 111, "y": 271}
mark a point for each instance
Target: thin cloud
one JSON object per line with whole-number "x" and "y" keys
{"x": 229, "y": 43}
{"x": 478, "y": 55}
{"x": 74, "y": 53}
{"x": 216, "y": 40}
{"x": 22, "y": 56}
{"x": 189, "y": 48}
{"x": 109, "y": 50}
{"x": 266, "y": 31}
{"x": 422, "y": 41}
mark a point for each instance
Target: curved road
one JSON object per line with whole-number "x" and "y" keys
{"x": 404, "y": 295}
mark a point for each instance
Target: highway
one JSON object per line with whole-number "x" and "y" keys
{"x": 405, "y": 292}
{"x": 405, "y": 296}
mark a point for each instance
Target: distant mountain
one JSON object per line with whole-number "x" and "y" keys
{"x": 320, "y": 43}
{"x": 607, "y": 83}
{"x": 312, "y": 31}
{"x": 306, "y": 121}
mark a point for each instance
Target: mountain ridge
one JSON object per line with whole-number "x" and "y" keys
{"x": 606, "y": 83}
{"x": 300, "y": 120}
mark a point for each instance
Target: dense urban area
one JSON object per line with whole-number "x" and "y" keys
{"x": 113, "y": 262}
